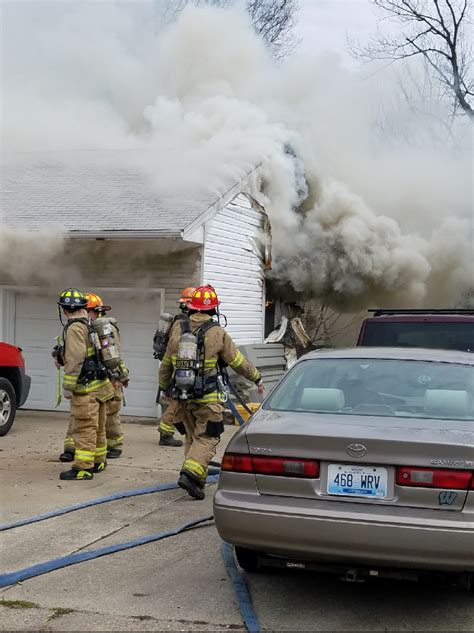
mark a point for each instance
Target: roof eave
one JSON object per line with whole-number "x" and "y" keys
{"x": 126, "y": 235}
{"x": 220, "y": 203}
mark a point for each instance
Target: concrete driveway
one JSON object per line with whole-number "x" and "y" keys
{"x": 179, "y": 584}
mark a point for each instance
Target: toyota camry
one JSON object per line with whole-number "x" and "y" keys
{"x": 359, "y": 461}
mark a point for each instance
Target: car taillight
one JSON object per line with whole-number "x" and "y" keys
{"x": 434, "y": 478}
{"x": 260, "y": 465}
{"x": 237, "y": 463}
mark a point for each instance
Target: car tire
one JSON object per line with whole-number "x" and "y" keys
{"x": 7, "y": 406}
{"x": 247, "y": 558}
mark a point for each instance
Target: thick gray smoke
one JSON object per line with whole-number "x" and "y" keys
{"x": 357, "y": 218}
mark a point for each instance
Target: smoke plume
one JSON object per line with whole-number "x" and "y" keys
{"x": 360, "y": 214}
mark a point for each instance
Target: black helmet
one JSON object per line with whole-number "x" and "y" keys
{"x": 72, "y": 299}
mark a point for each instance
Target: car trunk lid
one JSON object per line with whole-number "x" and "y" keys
{"x": 397, "y": 456}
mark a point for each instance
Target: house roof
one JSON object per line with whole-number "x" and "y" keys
{"x": 107, "y": 193}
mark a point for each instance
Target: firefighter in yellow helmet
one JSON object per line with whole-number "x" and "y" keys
{"x": 166, "y": 427}
{"x": 119, "y": 379}
{"x": 191, "y": 367}
{"x": 86, "y": 385}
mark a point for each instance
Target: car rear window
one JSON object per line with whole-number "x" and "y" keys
{"x": 434, "y": 335}
{"x": 379, "y": 387}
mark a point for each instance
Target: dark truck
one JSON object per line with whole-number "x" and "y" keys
{"x": 429, "y": 328}
{"x": 14, "y": 385}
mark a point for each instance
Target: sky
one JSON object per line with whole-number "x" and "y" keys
{"x": 325, "y": 24}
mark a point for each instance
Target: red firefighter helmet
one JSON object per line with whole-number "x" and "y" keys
{"x": 187, "y": 295}
{"x": 204, "y": 299}
{"x": 94, "y": 302}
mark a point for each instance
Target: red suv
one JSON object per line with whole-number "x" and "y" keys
{"x": 14, "y": 384}
{"x": 430, "y": 328}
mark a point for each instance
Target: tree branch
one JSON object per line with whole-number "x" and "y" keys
{"x": 437, "y": 36}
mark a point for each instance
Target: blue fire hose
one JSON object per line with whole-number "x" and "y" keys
{"x": 235, "y": 413}
{"x": 243, "y": 597}
{"x": 241, "y": 590}
{"x": 90, "y": 503}
{"x": 71, "y": 559}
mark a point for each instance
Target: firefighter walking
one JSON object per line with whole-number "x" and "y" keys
{"x": 190, "y": 368}
{"x": 166, "y": 426}
{"x": 87, "y": 387}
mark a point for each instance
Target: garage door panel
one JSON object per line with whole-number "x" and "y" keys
{"x": 35, "y": 333}
{"x": 136, "y": 338}
{"x": 37, "y": 306}
{"x": 37, "y": 324}
{"x": 38, "y": 391}
{"x": 38, "y": 365}
{"x": 127, "y": 308}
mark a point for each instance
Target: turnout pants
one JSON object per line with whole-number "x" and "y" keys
{"x": 199, "y": 447}
{"x": 113, "y": 426}
{"x": 168, "y": 408}
{"x": 90, "y": 413}
{"x": 69, "y": 441}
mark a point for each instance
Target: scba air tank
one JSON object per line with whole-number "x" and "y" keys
{"x": 185, "y": 374}
{"x": 160, "y": 339}
{"x": 106, "y": 343}
{"x": 165, "y": 322}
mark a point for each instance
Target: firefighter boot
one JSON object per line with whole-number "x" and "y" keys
{"x": 75, "y": 474}
{"x": 113, "y": 453}
{"x": 67, "y": 456}
{"x": 169, "y": 440}
{"x": 98, "y": 468}
{"x": 193, "y": 487}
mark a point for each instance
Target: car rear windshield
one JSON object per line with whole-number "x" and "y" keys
{"x": 433, "y": 335}
{"x": 379, "y": 387}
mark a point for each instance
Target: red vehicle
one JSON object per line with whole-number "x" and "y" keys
{"x": 14, "y": 384}
{"x": 429, "y": 328}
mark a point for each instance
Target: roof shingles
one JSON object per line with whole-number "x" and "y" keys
{"x": 92, "y": 196}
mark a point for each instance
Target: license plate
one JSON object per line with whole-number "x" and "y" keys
{"x": 357, "y": 481}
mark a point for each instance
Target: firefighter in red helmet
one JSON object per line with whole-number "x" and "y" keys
{"x": 190, "y": 368}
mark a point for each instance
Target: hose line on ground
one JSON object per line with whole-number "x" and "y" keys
{"x": 94, "y": 502}
{"x": 72, "y": 559}
{"x": 241, "y": 590}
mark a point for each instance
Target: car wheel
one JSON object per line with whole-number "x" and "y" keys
{"x": 247, "y": 558}
{"x": 7, "y": 406}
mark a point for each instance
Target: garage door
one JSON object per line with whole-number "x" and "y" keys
{"x": 37, "y": 325}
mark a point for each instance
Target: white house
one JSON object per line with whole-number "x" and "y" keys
{"x": 137, "y": 250}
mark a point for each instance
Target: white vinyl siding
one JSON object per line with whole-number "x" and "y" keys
{"x": 233, "y": 265}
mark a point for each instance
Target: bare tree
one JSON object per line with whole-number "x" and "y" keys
{"x": 273, "y": 20}
{"x": 436, "y": 31}
{"x": 419, "y": 111}
{"x": 325, "y": 326}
